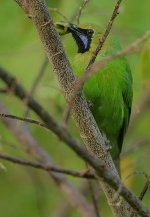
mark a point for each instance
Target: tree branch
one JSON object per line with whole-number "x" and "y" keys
{"x": 84, "y": 3}
{"x": 144, "y": 190}
{"x": 22, "y": 134}
{"x": 80, "y": 111}
{"x": 28, "y": 120}
{"x": 84, "y": 119}
{"x": 47, "y": 167}
{"x": 93, "y": 197}
{"x": 107, "y": 175}
{"x": 52, "y": 124}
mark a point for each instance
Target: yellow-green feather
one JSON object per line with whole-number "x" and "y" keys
{"x": 109, "y": 90}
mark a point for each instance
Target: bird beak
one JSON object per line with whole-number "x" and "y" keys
{"x": 65, "y": 28}
{"x": 62, "y": 28}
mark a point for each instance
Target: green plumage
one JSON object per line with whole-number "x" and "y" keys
{"x": 108, "y": 90}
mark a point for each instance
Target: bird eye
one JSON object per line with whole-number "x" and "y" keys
{"x": 73, "y": 25}
{"x": 90, "y": 31}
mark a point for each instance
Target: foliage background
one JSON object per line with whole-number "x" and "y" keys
{"x": 28, "y": 192}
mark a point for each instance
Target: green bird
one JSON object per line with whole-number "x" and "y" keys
{"x": 109, "y": 90}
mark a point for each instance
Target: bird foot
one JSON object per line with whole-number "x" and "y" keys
{"x": 90, "y": 104}
{"x": 108, "y": 148}
{"x": 107, "y": 143}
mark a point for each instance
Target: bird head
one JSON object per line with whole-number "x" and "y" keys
{"x": 86, "y": 36}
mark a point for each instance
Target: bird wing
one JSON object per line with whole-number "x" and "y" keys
{"x": 127, "y": 95}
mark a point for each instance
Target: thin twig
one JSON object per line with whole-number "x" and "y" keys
{"x": 32, "y": 147}
{"x": 136, "y": 173}
{"x": 66, "y": 77}
{"x": 144, "y": 190}
{"x": 10, "y": 144}
{"x": 63, "y": 208}
{"x": 66, "y": 116}
{"x": 95, "y": 202}
{"x": 109, "y": 176}
{"x": 137, "y": 145}
{"x": 80, "y": 111}
{"x": 105, "y": 34}
{"x": 20, "y": 92}
{"x": 142, "y": 107}
{"x": 91, "y": 189}
{"x": 46, "y": 168}
{"x": 28, "y": 120}
{"x": 59, "y": 12}
{"x": 36, "y": 82}
{"x": 84, "y": 3}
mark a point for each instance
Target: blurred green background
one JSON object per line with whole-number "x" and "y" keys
{"x": 28, "y": 192}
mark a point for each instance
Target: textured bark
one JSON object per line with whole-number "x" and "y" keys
{"x": 80, "y": 111}
{"x": 37, "y": 10}
{"x": 73, "y": 196}
{"x": 103, "y": 173}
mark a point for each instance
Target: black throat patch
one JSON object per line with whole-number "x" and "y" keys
{"x": 82, "y": 37}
